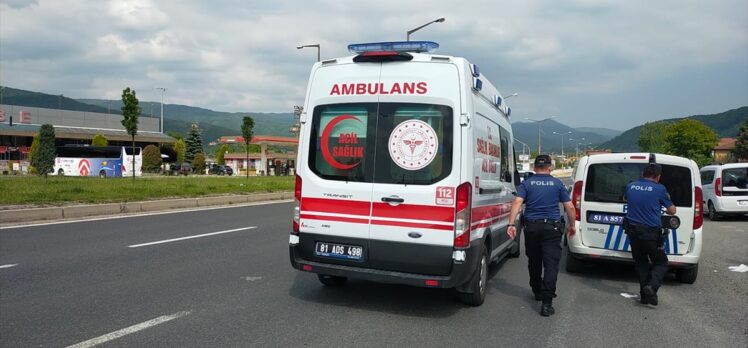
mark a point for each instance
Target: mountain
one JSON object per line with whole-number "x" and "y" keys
{"x": 13, "y": 96}
{"x": 607, "y": 132}
{"x": 527, "y": 132}
{"x": 726, "y": 124}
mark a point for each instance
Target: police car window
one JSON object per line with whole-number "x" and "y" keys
{"x": 504, "y": 153}
{"x": 606, "y": 182}
{"x": 707, "y": 176}
{"x": 414, "y": 143}
{"x": 735, "y": 177}
{"x": 342, "y": 141}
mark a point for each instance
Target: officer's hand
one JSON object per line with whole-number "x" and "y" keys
{"x": 512, "y": 232}
{"x": 571, "y": 230}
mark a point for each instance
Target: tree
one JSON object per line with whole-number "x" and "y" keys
{"x": 652, "y": 137}
{"x": 180, "y": 149}
{"x": 44, "y": 159}
{"x": 741, "y": 143}
{"x": 198, "y": 163}
{"x": 32, "y": 153}
{"x": 691, "y": 139}
{"x": 175, "y": 135}
{"x": 152, "y": 158}
{"x": 194, "y": 143}
{"x": 248, "y": 125}
{"x": 222, "y": 150}
{"x": 130, "y": 114}
{"x": 99, "y": 140}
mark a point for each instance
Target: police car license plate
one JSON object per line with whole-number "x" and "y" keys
{"x": 339, "y": 251}
{"x": 605, "y": 218}
{"x": 742, "y": 202}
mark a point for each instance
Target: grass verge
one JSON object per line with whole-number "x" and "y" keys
{"x": 64, "y": 190}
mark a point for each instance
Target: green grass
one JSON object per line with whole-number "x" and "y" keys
{"x": 54, "y": 190}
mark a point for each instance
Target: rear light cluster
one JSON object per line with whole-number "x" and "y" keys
{"x": 462, "y": 215}
{"x": 576, "y": 199}
{"x": 698, "y": 208}
{"x": 718, "y": 187}
{"x": 297, "y": 204}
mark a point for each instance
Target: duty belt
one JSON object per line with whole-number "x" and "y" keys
{"x": 545, "y": 221}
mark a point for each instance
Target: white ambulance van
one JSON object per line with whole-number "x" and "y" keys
{"x": 405, "y": 171}
{"x": 599, "y": 185}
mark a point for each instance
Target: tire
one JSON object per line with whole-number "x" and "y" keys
{"x": 477, "y": 282}
{"x": 60, "y": 172}
{"x": 687, "y": 275}
{"x": 573, "y": 265}
{"x": 713, "y": 215}
{"x": 332, "y": 281}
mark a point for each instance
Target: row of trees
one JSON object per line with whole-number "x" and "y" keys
{"x": 688, "y": 138}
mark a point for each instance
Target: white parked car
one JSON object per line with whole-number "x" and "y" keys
{"x": 725, "y": 189}
{"x": 599, "y": 185}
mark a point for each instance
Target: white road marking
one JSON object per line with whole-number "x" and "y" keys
{"x": 128, "y": 330}
{"x": 131, "y": 215}
{"x": 191, "y": 237}
{"x": 9, "y": 265}
{"x": 742, "y": 268}
{"x": 251, "y": 279}
{"x": 628, "y": 295}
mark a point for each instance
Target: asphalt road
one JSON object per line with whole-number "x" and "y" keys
{"x": 80, "y": 281}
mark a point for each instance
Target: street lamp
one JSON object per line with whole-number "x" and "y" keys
{"x": 540, "y": 123}
{"x": 523, "y": 145}
{"x": 562, "y": 140}
{"x": 511, "y": 95}
{"x": 163, "y": 90}
{"x": 438, "y": 20}
{"x": 315, "y": 45}
{"x": 578, "y": 141}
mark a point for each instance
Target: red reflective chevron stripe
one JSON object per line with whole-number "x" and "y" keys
{"x": 425, "y": 225}
{"x": 338, "y": 206}
{"x": 334, "y": 218}
{"x": 414, "y": 212}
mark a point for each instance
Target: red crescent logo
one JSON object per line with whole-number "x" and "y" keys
{"x": 326, "y": 140}
{"x": 84, "y": 167}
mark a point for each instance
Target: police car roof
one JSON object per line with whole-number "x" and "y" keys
{"x": 640, "y": 157}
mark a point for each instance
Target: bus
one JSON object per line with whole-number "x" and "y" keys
{"x": 101, "y": 161}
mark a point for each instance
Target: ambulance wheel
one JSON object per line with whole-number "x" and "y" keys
{"x": 60, "y": 172}
{"x": 477, "y": 283}
{"x": 332, "y": 281}
{"x": 713, "y": 215}
{"x": 573, "y": 265}
{"x": 687, "y": 275}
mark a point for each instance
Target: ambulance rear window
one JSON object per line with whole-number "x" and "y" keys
{"x": 412, "y": 142}
{"x": 606, "y": 182}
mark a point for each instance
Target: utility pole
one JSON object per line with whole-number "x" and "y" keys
{"x": 540, "y": 123}
{"x": 161, "y": 127}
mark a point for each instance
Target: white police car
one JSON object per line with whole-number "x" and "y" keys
{"x": 599, "y": 185}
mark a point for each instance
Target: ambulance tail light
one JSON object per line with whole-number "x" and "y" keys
{"x": 297, "y": 204}
{"x": 718, "y": 187}
{"x": 463, "y": 209}
{"x": 576, "y": 199}
{"x": 698, "y": 208}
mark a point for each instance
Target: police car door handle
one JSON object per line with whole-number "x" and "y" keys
{"x": 393, "y": 200}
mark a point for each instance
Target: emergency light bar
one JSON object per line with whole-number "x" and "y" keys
{"x": 396, "y": 46}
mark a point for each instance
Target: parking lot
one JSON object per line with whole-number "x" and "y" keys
{"x": 221, "y": 277}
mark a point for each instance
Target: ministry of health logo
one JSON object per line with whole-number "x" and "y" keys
{"x": 413, "y": 144}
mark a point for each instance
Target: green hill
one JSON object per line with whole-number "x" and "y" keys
{"x": 726, "y": 124}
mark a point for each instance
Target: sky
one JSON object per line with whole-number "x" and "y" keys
{"x": 589, "y": 63}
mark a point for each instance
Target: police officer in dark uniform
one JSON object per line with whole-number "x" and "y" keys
{"x": 543, "y": 229}
{"x": 646, "y": 197}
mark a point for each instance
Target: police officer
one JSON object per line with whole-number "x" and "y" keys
{"x": 646, "y": 197}
{"x": 543, "y": 229}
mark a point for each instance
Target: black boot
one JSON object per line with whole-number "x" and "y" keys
{"x": 650, "y": 295}
{"x": 546, "y": 309}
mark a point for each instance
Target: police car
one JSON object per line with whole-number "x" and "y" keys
{"x": 599, "y": 185}
{"x": 405, "y": 171}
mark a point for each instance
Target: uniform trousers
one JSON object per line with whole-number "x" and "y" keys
{"x": 543, "y": 250}
{"x": 648, "y": 252}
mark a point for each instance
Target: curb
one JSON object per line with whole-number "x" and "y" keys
{"x": 80, "y": 211}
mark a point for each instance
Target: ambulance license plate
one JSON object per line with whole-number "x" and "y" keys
{"x": 339, "y": 251}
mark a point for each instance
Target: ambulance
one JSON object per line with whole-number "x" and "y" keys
{"x": 599, "y": 185}
{"x": 406, "y": 171}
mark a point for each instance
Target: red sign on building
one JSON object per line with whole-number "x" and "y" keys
{"x": 2, "y": 115}
{"x": 25, "y": 116}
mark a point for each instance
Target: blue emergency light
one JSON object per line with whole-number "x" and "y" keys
{"x": 396, "y": 46}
